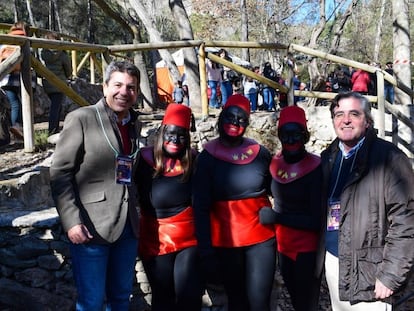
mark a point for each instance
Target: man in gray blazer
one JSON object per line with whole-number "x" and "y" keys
{"x": 94, "y": 194}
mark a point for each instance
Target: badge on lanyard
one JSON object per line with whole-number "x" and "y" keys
{"x": 123, "y": 170}
{"x": 334, "y": 215}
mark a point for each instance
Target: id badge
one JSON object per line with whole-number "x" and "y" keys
{"x": 334, "y": 215}
{"x": 123, "y": 170}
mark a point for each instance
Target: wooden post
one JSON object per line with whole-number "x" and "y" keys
{"x": 380, "y": 103}
{"x": 92, "y": 69}
{"x": 203, "y": 82}
{"x": 27, "y": 99}
{"x": 74, "y": 64}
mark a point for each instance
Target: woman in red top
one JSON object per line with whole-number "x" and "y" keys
{"x": 167, "y": 245}
{"x": 296, "y": 189}
{"x": 360, "y": 81}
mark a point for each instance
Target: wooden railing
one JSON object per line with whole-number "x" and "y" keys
{"x": 100, "y": 55}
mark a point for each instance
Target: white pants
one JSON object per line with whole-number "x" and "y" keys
{"x": 332, "y": 275}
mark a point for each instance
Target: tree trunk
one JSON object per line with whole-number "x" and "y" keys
{"x": 313, "y": 69}
{"x": 339, "y": 28}
{"x": 402, "y": 64}
{"x": 56, "y": 15}
{"x": 244, "y": 20}
{"x": 192, "y": 74}
{"x": 29, "y": 11}
{"x": 155, "y": 36}
{"x": 377, "y": 41}
{"x": 91, "y": 37}
{"x": 146, "y": 98}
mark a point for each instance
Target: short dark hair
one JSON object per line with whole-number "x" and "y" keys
{"x": 122, "y": 66}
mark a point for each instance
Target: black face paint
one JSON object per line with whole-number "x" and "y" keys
{"x": 236, "y": 116}
{"x": 291, "y": 134}
{"x": 175, "y": 135}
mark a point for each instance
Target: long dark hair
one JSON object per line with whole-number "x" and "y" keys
{"x": 159, "y": 155}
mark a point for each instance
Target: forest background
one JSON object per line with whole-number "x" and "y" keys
{"x": 360, "y": 30}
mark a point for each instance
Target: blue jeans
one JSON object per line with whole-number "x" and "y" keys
{"x": 269, "y": 98}
{"x": 389, "y": 93}
{"x": 213, "y": 102}
{"x": 105, "y": 273}
{"x": 15, "y": 107}
{"x": 56, "y": 100}
{"x": 226, "y": 91}
{"x": 252, "y": 97}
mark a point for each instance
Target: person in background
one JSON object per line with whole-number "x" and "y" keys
{"x": 178, "y": 92}
{"x": 250, "y": 91}
{"x": 259, "y": 97}
{"x": 168, "y": 246}
{"x": 360, "y": 81}
{"x": 213, "y": 80}
{"x": 367, "y": 245}
{"x": 231, "y": 185}
{"x": 297, "y": 217}
{"x": 226, "y": 83}
{"x": 58, "y": 62}
{"x": 341, "y": 81}
{"x": 268, "y": 92}
{"x": 11, "y": 82}
{"x": 186, "y": 99}
{"x": 296, "y": 87}
{"x": 91, "y": 183}
{"x": 388, "y": 87}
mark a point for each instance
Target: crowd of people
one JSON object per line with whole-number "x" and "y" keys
{"x": 343, "y": 79}
{"x": 232, "y": 213}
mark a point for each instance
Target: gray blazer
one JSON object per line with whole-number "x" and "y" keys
{"x": 82, "y": 174}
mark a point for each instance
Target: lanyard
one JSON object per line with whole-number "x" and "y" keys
{"x": 132, "y": 155}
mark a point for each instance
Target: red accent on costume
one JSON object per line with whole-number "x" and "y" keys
{"x": 177, "y": 114}
{"x": 240, "y": 101}
{"x": 236, "y": 223}
{"x": 172, "y": 167}
{"x": 243, "y": 154}
{"x": 287, "y": 172}
{"x": 166, "y": 235}
{"x": 291, "y": 241}
{"x": 292, "y": 114}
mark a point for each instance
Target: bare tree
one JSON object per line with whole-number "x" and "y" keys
{"x": 244, "y": 21}
{"x": 56, "y": 14}
{"x": 377, "y": 41}
{"x": 91, "y": 36}
{"x": 131, "y": 26}
{"x": 29, "y": 11}
{"x": 190, "y": 58}
{"x": 402, "y": 51}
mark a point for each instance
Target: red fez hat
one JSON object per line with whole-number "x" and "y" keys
{"x": 292, "y": 114}
{"x": 240, "y": 101}
{"x": 177, "y": 114}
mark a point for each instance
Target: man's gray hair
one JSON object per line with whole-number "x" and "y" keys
{"x": 365, "y": 104}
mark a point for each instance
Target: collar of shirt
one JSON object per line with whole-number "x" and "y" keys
{"x": 114, "y": 117}
{"x": 353, "y": 150}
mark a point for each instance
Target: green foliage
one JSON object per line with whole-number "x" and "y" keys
{"x": 40, "y": 140}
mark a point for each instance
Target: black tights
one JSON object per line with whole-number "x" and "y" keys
{"x": 300, "y": 280}
{"x": 248, "y": 274}
{"x": 175, "y": 281}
